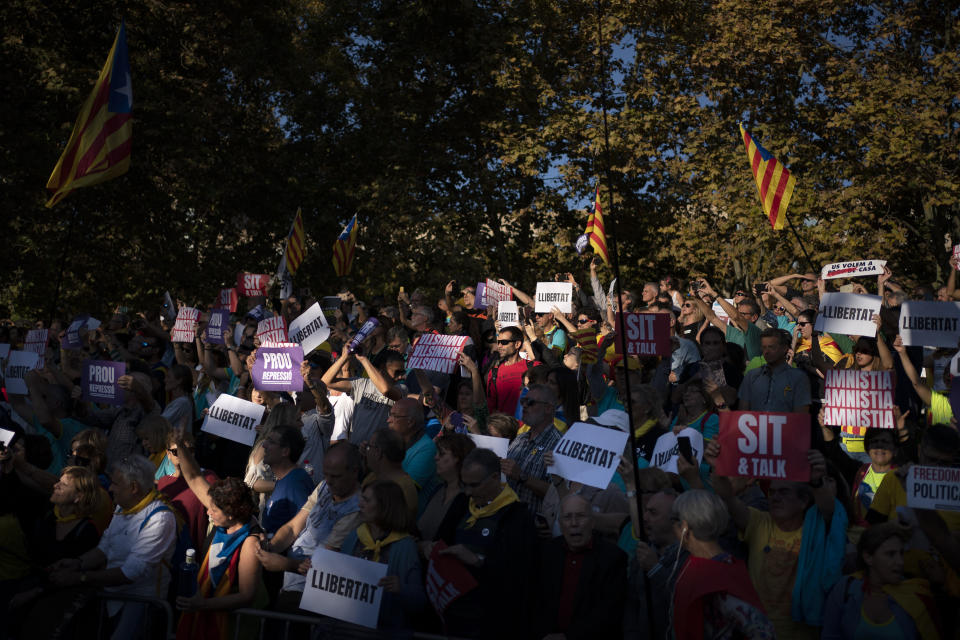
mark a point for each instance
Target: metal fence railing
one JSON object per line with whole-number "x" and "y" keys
{"x": 283, "y": 625}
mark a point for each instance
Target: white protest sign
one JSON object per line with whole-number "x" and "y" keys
{"x": 852, "y": 269}
{"x": 499, "y": 446}
{"x": 18, "y": 364}
{"x": 185, "y": 324}
{"x": 933, "y": 488}
{"x": 36, "y": 342}
{"x": 495, "y": 292}
{"x": 437, "y": 352}
{"x": 849, "y": 313}
{"x": 344, "y": 587}
{"x": 930, "y": 324}
{"x": 6, "y": 437}
{"x": 310, "y": 329}
{"x": 507, "y": 314}
{"x": 859, "y": 398}
{"x": 955, "y": 365}
{"x": 721, "y": 312}
{"x": 234, "y": 419}
{"x": 588, "y": 454}
{"x": 554, "y": 294}
{"x": 667, "y": 450}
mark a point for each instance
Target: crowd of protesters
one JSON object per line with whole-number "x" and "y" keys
{"x": 375, "y": 460}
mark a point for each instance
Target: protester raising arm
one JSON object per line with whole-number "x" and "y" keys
{"x": 476, "y": 380}
{"x": 331, "y": 376}
{"x": 952, "y": 292}
{"x": 926, "y": 395}
{"x": 780, "y": 284}
{"x": 519, "y": 295}
{"x": 706, "y": 309}
{"x": 599, "y": 297}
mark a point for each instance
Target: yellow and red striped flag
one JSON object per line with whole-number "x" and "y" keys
{"x": 99, "y": 146}
{"x": 344, "y": 247}
{"x": 296, "y": 244}
{"x": 595, "y": 232}
{"x": 774, "y": 181}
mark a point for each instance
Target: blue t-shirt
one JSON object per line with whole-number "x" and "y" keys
{"x": 419, "y": 461}
{"x": 289, "y": 494}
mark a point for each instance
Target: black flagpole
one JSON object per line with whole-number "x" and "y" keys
{"x": 611, "y": 239}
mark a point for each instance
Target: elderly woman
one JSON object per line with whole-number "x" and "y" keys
{"x": 384, "y": 535}
{"x": 713, "y": 596}
{"x": 154, "y": 431}
{"x": 442, "y": 501}
{"x": 229, "y": 576}
{"x": 876, "y": 602}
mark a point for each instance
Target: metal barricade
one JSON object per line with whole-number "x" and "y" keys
{"x": 157, "y": 610}
{"x": 291, "y": 618}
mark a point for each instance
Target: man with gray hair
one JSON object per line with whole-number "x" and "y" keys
{"x": 524, "y": 465}
{"x": 583, "y": 579}
{"x": 135, "y": 551}
{"x": 406, "y": 420}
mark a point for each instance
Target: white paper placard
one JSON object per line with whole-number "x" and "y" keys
{"x": 933, "y": 488}
{"x": 344, "y": 587}
{"x": 721, "y": 312}
{"x": 234, "y": 419}
{"x": 930, "y": 324}
{"x": 6, "y": 437}
{"x": 499, "y": 446}
{"x": 554, "y": 294}
{"x": 507, "y": 313}
{"x": 848, "y": 313}
{"x": 667, "y": 450}
{"x": 437, "y": 352}
{"x": 18, "y": 364}
{"x": 852, "y": 269}
{"x": 588, "y": 454}
{"x": 310, "y": 329}
{"x": 955, "y": 365}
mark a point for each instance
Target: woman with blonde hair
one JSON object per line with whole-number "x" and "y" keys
{"x": 154, "y": 433}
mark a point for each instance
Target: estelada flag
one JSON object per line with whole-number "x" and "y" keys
{"x": 774, "y": 181}
{"x": 99, "y": 146}
{"x": 296, "y": 244}
{"x": 343, "y": 248}
{"x": 595, "y": 232}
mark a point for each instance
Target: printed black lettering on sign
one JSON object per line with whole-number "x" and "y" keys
{"x": 344, "y": 586}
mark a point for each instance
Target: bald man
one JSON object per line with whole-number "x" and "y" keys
{"x": 583, "y": 579}
{"x": 406, "y": 420}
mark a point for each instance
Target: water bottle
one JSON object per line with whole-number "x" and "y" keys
{"x": 308, "y": 468}
{"x": 362, "y": 334}
{"x": 187, "y": 583}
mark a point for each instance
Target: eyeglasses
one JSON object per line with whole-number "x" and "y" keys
{"x": 173, "y": 451}
{"x": 740, "y": 293}
{"x": 529, "y": 402}
{"x": 803, "y": 324}
{"x": 506, "y": 341}
{"x": 780, "y": 309}
{"x": 687, "y": 305}
{"x": 583, "y": 320}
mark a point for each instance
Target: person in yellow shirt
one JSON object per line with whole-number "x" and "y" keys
{"x": 939, "y": 404}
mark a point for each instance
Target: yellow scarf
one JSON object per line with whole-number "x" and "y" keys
{"x": 369, "y": 544}
{"x": 157, "y": 459}
{"x": 644, "y": 428}
{"x": 505, "y": 497}
{"x": 914, "y": 597}
{"x": 147, "y": 499}
{"x": 63, "y": 518}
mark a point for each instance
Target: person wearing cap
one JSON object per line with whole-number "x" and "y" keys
{"x": 583, "y": 579}
{"x": 864, "y": 479}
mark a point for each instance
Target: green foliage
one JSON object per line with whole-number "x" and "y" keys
{"x": 469, "y": 137}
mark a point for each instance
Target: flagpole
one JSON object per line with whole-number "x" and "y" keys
{"x": 611, "y": 241}
{"x": 813, "y": 267}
